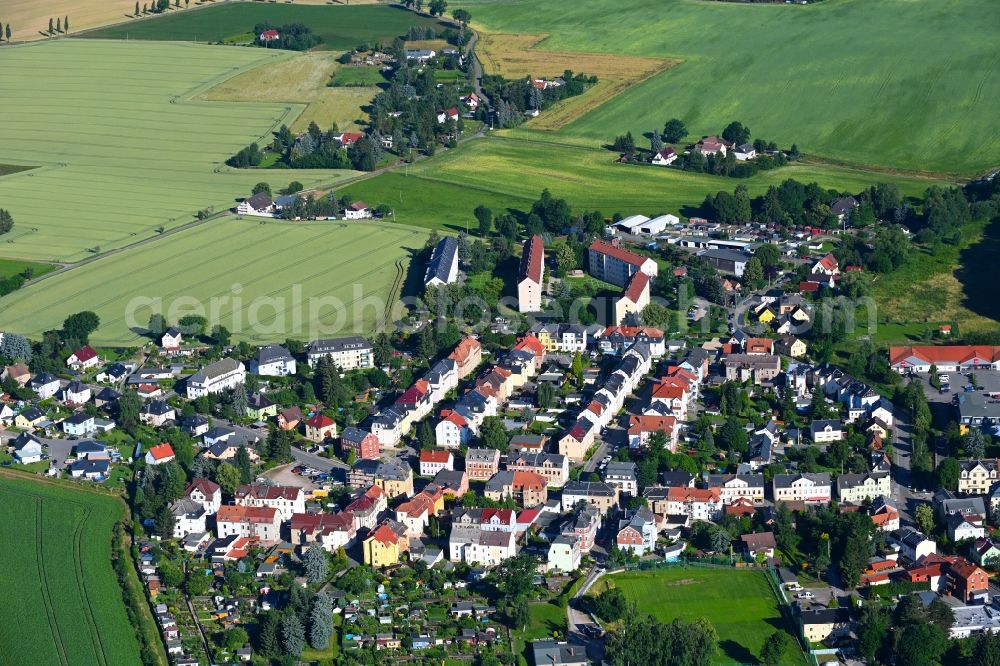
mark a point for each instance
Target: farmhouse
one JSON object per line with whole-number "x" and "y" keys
{"x": 531, "y": 275}
{"x": 711, "y": 145}
{"x": 617, "y": 266}
{"x": 258, "y": 204}
{"x": 357, "y": 211}
{"x": 354, "y": 353}
{"x": 745, "y": 152}
{"x": 215, "y": 378}
{"x": 665, "y": 157}
{"x": 443, "y": 266}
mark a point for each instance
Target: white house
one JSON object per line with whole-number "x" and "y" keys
{"x": 83, "y": 358}
{"x": 286, "y": 500}
{"x": 258, "y": 204}
{"x": 357, "y": 211}
{"x": 160, "y": 454}
{"x": 76, "y": 393}
{"x": 452, "y": 431}
{"x": 215, "y": 378}
{"x": 802, "y": 487}
{"x": 189, "y": 517}
{"x": 171, "y": 339}
{"x": 27, "y": 448}
{"x": 44, "y": 385}
{"x": 206, "y": 493}
{"x": 564, "y": 554}
{"x": 273, "y": 361}
{"x": 745, "y": 152}
{"x": 665, "y": 157}
{"x": 432, "y": 462}
{"x": 79, "y": 424}
{"x": 530, "y": 277}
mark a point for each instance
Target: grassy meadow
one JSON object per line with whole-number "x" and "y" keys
{"x": 123, "y": 152}
{"x": 303, "y": 79}
{"x": 739, "y": 604}
{"x": 248, "y": 269}
{"x": 341, "y": 27}
{"x": 508, "y": 172}
{"x": 907, "y": 84}
{"x": 62, "y": 601}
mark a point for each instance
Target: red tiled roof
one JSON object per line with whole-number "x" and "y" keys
{"x": 636, "y": 286}
{"x": 640, "y": 424}
{"x": 262, "y": 492}
{"x": 347, "y": 138}
{"x": 320, "y": 421}
{"x": 385, "y": 534}
{"x": 232, "y": 513}
{"x": 685, "y": 494}
{"x": 531, "y": 259}
{"x": 945, "y": 353}
{"x": 760, "y": 344}
{"x": 206, "y": 486}
{"x": 532, "y": 344}
{"x": 633, "y": 331}
{"x": 85, "y": 353}
{"x": 618, "y": 253}
{"x": 808, "y": 286}
{"x": 454, "y": 417}
{"x": 162, "y": 451}
{"x": 829, "y": 262}
{"x": 530, "y": 480}
{"x": 435, "y": 456}
{"x": 464, "y": 349}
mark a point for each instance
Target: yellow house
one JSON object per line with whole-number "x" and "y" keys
{"x": 386, "y": 544}
{"x": 766, "y": 316}
{"x": 29, "y": 418}
{"x": 396, "y": 482}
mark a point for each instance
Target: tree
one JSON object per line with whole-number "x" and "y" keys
{"x": 753, "y": 273}
{"x": 719, "y": 539}
{"x": 293, "y": 188}
{"x": 736, "y": 133}
{"x": 6, "y": 220}
{"x": 221, "y": 335}
{"x": 947, "y": 474}
{"x": 321, "y": 622}
{"x": 235, "y": 637}
{"x": 655, "y": 142}
{"x": 129, "y": 405}
{"x": 775, "y": 648}
{"x": 611, "y": 604}
{"x": 987, "y": 650}
{"x": 58, "y": 24}
{"x": 437, "y": 7}
{"x": 241, "y": 404}
{"x": 317, "y": 565}
{"x": 426, "y": 435}
{"x": 193, "y": 324}
{"x": 462, "y": 16}
{"x": 261, "y": 187}
{"x": 51, "y": 28}
{"x": 228, "y": 478}
{"x": 674, "y": 130}
{"x": 136, "y": 13}
{"x": 485, "y": 217}
{"x": 493, "y": 433}
{"x": 770, "y": 258}
{"x": 924, "y": 516}
{"x": 921, "y": 645}
{"x": 163, "y": 523}
{"x": 975, "y": 444}
{"x": 79, "y": 326}
{"x": 66, "y": 25}
{"x": 15, "y": 347}
{"x": 293, "y": 638}
{"x": 8, "y": 39}
{"x": 243, "y": 465}
{"x": 544, "y": 395}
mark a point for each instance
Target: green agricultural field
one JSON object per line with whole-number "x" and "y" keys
{"x": 739, "y": 604}
{"x": 123, "y": 152}
{"x": 909, "y": 84}
{"x": 341, "y": 28}
{"x": 62, "y": 604}
{"x": 504, "y": 172}
{"x": 10, "y": 268}
{"x": 241, "y": 271}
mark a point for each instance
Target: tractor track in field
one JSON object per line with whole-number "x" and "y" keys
{"x": 81, "y": 588}
{"x": 43, "y": 579}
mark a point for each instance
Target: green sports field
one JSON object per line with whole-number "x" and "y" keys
{"x": 258, "y": 278}
{"x": 506, "y": 172}
{"x": 739, "y": 604}
{"x": 122, "y": 151}
{"x": 341, "y": 27}
{"x": 62, "y": 604}
{"x": 908, "y": 84}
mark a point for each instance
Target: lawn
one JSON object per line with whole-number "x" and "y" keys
{"x": 62, "y": 600}
{"x": 505, "y": 172}
{"x": 123, "y": 151}
{"x": 350, "y": 75}
{"x": 911, "y": 88}
{"x": 301, "y": 79}
{"x": 739, "y": 604}
{"x": 10, "y": 268}
{"x": 546, "y": 620}
{"x": 341, "y": 27}
{"x": 263, "y": 280}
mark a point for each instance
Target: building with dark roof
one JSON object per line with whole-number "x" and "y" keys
{"x": 443, "y": 266}
{"x": 530, "y": 276}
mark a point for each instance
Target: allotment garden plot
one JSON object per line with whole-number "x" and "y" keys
{"x": 122, "y": 153}
{"x": 248, "y": 269}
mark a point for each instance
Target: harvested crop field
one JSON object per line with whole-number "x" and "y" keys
{"x": 264, "y": 279}
{"x": 123, "y": 153}
{"x": 301, "y": 79}
{"x": 514, "y": 56}
{"x": 62, "y": 603}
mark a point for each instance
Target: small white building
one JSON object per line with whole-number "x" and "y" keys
{"x": 215, "y": 378}
{"x": 357, "y": 211}
{"x": 273, "y": 361}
